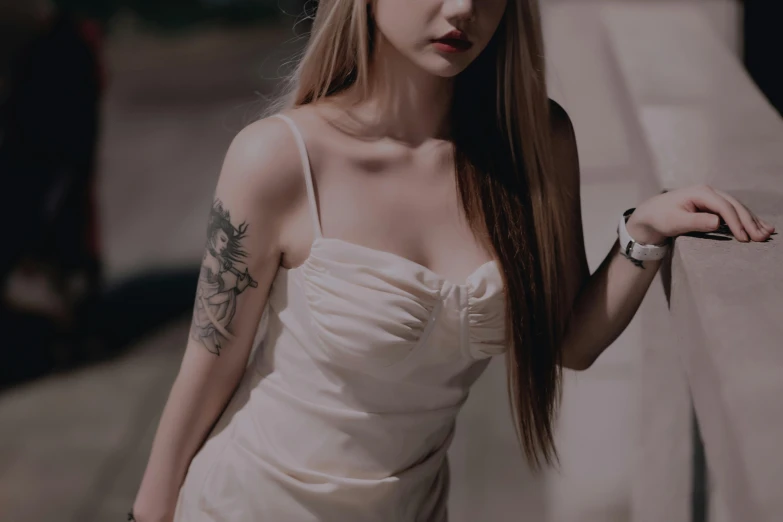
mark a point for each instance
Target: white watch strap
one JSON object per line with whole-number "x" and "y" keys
{"x": 636, "y": 250}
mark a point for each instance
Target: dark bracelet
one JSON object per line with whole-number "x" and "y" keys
{"x": 131, "y": 518}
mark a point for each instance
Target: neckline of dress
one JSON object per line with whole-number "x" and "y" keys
{"x": 402, "y": 259}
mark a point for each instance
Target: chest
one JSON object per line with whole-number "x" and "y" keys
{"x": 405, "y": 203}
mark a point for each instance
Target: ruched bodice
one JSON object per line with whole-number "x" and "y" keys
{"x": 377, "y": 312}
{"x": 348, "y": 406}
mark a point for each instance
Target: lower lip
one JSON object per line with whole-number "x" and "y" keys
{"x": 452, "y": 46}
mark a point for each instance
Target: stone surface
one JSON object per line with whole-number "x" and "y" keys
{"x": 72, "y": 434}
{"x": 661, "y": 470}
{"x": 582, "y": 79}
{"x": 708, "y": 123}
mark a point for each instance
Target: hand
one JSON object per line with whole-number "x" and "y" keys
{"x": 694, "y": 209}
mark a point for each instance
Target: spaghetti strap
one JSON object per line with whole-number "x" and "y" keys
{"x": 307, "y": 172}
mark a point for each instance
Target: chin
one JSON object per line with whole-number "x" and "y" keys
{"x": 438, "y": 65}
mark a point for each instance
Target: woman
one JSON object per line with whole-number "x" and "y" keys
{"x": 413, "y": 212}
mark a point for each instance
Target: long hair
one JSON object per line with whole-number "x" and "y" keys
{"x": 503, "y": 153}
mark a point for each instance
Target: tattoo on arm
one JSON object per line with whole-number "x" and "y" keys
{"x": 220, "y": 281}
{"x": 636, "y": 262}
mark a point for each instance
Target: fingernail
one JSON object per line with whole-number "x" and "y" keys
{"x": 744, "y": 236}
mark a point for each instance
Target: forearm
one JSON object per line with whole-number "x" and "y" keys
{"x": 220, "y": 297}
{"x": 605, "y": 306}
{"x": 203, "y": 387}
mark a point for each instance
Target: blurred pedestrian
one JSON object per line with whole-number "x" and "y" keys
{"x": 49, "y": 129}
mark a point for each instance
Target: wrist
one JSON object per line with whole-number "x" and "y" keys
{"x": 643, "y": 233}
{"x": 152, "y": 510}
{"x": 151, "y": 515}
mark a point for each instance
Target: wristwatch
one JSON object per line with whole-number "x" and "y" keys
{"x": 635, "y": 250}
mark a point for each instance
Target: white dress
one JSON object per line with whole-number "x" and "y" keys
{"x": 348, "y": 406}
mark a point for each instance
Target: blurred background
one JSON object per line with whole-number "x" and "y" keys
{"x": 115, "y": 116}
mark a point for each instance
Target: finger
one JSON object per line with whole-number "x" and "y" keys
{"x": 766, "y": 225}
{"x": 765, "y": 229}
{"x": 701, "y": 222}
{"x": 749, "y": 221}
{"x": 710, "y": 200}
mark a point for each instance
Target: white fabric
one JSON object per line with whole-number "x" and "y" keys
{"x": 348, "y": 406}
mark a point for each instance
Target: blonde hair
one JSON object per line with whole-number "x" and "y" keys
{"x": 503, "y": 151}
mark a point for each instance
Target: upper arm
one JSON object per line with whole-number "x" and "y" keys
{"x": 256, "y": 192}
{"x": 566, "y": 166}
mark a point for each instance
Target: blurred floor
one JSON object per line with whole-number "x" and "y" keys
{"x": 175, "y": 105}
{"x": 73, "y": 447}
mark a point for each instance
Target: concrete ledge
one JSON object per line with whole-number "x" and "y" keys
{"x": 706, "y": 122}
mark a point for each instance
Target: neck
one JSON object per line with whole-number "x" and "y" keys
{"x": 403, "y": 101}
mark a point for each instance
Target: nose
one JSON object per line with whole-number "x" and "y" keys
{"x": 462, "y": 10}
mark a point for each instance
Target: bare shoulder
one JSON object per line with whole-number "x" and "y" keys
{"x": 564, "y": 148}
{"x": 562, "y": 127}
{"x": 263, "y": 163}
